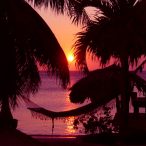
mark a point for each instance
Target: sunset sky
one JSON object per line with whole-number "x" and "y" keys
{"x": 65, "y": 32}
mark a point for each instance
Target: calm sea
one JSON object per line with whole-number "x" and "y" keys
{"x": 52, "y": 97}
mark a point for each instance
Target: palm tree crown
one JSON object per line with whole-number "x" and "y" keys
{"x": 26, "y": 40}
{"x": 118, "y": 32}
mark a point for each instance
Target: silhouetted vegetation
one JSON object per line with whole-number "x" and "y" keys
{"x": 114, "y": 33}
{"x": 97, "y": 122}
{"x": 117, "y": 30}
{"x": 25, "y": 41}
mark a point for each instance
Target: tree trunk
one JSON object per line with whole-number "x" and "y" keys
{"x": 5, "y": 109}
{"x": 6, "y": 118}
{"x": 125, "y": 97}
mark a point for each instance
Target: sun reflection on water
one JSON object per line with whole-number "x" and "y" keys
{"x": 69, "y": 125}
{"x": 69, "y": 128}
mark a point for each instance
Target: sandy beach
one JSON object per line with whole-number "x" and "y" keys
{"x": 17, "y": 138}
{"x": 62, "y": 141}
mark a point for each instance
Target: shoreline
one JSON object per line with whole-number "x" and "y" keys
{"x": 55, "y": 136}
{"x": 90, "y": 140}
{"x": 18, "y": 138}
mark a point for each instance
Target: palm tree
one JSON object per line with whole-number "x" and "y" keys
{"x": 118, "y": 32}
{"x": 25, "y": 41}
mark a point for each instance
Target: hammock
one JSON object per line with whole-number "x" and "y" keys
{"x": 43, "y": 113}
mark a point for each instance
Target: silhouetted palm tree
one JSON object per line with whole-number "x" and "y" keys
{"x": 25, "y": 41}
{"x": 119, "y": 32}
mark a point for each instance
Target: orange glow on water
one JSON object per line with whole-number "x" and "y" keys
{"x": 69, "y": 125}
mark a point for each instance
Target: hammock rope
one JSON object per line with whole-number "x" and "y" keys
{"x": 52, "y": 125}
{"x": 34, "y": 108}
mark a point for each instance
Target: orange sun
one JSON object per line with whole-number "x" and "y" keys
{"x": 70, "y": 58}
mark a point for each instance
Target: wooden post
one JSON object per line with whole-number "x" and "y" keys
{"x": 134, "y": 102}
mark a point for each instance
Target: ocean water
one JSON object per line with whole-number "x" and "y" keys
{"x": 50, "y": 96}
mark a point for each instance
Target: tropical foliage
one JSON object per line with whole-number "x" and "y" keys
{"x": 96, "y": 122}
{"x": 117, "y": 30}
{"x": 103, "y": 85}
{"x": 26, "y": 41}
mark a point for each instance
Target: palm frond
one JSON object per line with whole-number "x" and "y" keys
{"x": 112, "y": 37}
{"x": 41, "y": 40}
{"x": 79, "y": 14}
{"x": 76, "y": 9}
{"x": 92, "y": 40}
{"x": 27, "y": 41}
{"x": 57, "y": 5}
{"x": 101, "y": 85}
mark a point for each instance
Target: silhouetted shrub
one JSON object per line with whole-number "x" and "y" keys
{"x": 96, "y": 122}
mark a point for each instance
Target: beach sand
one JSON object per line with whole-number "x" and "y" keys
{"x": 17, "y": 138}
{"x": 80, "y": 141}
{"x": 64, "y": 141}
